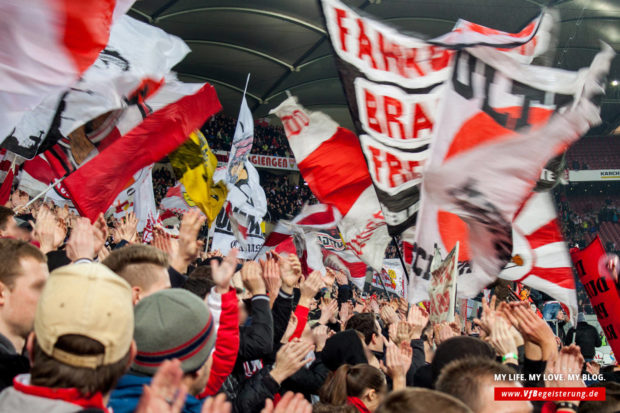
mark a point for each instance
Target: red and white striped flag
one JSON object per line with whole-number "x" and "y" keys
{"x": 331, "y": 161}
{"x": 540, "y": 258}
{"x": 46, "y": 46}
{"x": 94, "y": 186}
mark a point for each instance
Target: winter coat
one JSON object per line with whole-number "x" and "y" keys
{"x": 586, "y": 337}
{"x": 11, "y": 363}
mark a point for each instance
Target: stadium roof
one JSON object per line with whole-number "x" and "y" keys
{"x": 283, "y": 43}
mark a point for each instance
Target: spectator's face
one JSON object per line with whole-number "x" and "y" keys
{"x": 19, "y": 303}
{"x": 490, "y": 405}
{"x": 11, "y": 230}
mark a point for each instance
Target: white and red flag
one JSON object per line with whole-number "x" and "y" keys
{"x": 135, "y": 63}
{"x": 95, "y": 184}
{"x": 331, "y": 162}
{"x": 177, "y": 200}
{"x": 46, "y": 46}
{"x": 393, "y": 83}
{"x": 501, "y": 122}
{"x": 540, "y": 257}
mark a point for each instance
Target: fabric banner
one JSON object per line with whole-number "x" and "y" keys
{"x": 194, "y": 166}
{"x": 442, "y": 288}
{"x": 144, "y": 199}
{"x": 393, "y": 83}
{"x": 242, "y": 142}
{"x": 312, "y": 217}
{"x": 261, "y": 161}
{"x": 602, "y": 288}
{"x": 130, "y": 69}
{"x": 246, "y": 201}
{"x": 331, "y": 162}
{"x": 224, "y": 238}
{"x": 540, "y": 257}
{"x": 127, "y": 200}
{"x": 72, "y": 152}
{"x": 337, "y": 256}
{"x": 177, "y": 200}
{"x": 46, "y": 46}
{"x": 393, "y": 278}
{"x": 94, "y": 186}
{"x": 501, "y": 122}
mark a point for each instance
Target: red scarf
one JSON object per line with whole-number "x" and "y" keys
{"x": 70, "y": 395}
{"x": 358, "y": 404}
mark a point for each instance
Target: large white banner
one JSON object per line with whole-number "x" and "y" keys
{"x": 393, "y": 83}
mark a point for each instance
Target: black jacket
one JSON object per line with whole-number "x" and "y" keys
{"x": 282, "y": 310}
{"x": 11, "y": 363}
{"x": 586, "y": 337}
{"x": 256, "y": 337}
{"x": 307, "y": 380}
{"x": 252, "y": 393}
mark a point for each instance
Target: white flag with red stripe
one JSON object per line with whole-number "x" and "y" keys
{"x": 46, "y": 45}
{"x": 501, "y": 122}
{"x": 317, "y": 216}
{"x": 331, "y": 161}
{"x": 131, "y": 68}
{"x": 540, "y": 257}
{"x": 60, "y": 159}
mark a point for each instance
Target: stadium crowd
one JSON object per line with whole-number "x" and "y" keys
{"x": 93, "y": 320}
{"x": 268, "y": 139}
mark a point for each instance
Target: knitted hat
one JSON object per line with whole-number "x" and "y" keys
{"x": 172, "y": 324}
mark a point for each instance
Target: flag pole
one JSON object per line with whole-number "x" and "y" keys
{"x": 40, "y": 194}
{"x": 247, "y": 81}
{"x": 400, "y": 256}
{"x": 383, "y": 285}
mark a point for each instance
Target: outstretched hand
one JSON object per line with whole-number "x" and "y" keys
{"x": 223, "y": 272}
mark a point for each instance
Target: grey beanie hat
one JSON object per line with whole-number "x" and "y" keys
{"x": 172, "y": 324}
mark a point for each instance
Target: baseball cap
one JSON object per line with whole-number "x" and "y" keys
{"x": 87, "y": 300}
{"x": 172, "y": 323}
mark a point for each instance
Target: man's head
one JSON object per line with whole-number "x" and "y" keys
{"x": 83, "y": 330}
{"x": 457, "y": 348}
{"x": 200, "y": 281}
{"x": 8, "y": 225}
{"x": 421, "y": 401}
{"x": 472, "y": 380}
{"x": 23, "y": 274}
{"x": 174, "y": 323}
{"x": 145, "y": 268}
{"x": 367, "y": 324}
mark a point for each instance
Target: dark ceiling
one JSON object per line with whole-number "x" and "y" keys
{"x": 284, "y": 45}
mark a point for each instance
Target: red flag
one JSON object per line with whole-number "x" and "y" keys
{"x": 601, "y": 288}
{"x": 94, "y": 186}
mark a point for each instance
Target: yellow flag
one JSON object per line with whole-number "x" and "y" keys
{"x": 194, "y": 165}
